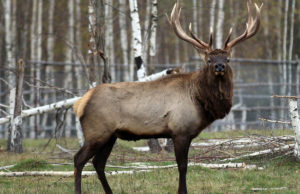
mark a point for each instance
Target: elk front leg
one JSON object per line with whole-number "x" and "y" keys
{"x": 181, "y": 146}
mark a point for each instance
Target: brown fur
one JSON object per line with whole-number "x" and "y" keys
{"x": 176, "y": 106}
{"x": 80, "y": 104}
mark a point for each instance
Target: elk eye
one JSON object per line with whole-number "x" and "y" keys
{"x": 228, "y": 60}
{"x": 208, "y": 60}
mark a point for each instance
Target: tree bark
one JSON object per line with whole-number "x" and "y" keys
{"x": 137, "y": 39}
{"x": 109, "y": 38}
{"x": 296, "y": 125}
{"x": 220, "y": 22}
{"x": 69, "y": 59}
{"x": 15, "y": 144}
{"x": 124, "y": 39}
{"x": 291, "y": 48}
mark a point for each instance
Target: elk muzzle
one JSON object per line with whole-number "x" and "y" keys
{"x": 219, "y": 69}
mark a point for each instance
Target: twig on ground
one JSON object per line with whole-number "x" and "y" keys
{"x": 64, "y": 149}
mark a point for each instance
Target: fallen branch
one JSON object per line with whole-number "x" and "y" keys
{"x": 292, "y": 97}
{"x": 214, "y": 166}
{"x": 7, "y": 167}
{"x": 43, "y": 109}
{"x": 64, "y": 173}
{"x": 263, "y": 152}
{"x": 64, "y": 150}
{"x": 275, "y": 121}
{"x": 268, "y": 189}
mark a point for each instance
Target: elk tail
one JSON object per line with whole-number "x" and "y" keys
{"x": 80, "y": 104}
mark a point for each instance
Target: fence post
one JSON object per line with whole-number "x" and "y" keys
{"x": 15, "y": 140}
{"x": 295, "y": 124}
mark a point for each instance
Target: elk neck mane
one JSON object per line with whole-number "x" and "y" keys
{"x": 213, "y": 94}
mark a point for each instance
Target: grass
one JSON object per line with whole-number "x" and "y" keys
{"x": 279, "y": 171}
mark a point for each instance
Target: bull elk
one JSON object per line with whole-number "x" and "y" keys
{"x": 177, "y": 106}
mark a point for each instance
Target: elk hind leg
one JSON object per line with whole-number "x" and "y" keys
{"x": 99, "y": 162}
{"x": 80, "y": 159}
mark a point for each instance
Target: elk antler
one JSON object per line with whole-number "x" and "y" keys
{"x": 196, "y": 42}
{"x": 252, "y": 27}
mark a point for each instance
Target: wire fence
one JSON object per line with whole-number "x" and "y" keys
{"x": 255, "y": 82}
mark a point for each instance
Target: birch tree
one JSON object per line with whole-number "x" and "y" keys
{"x": 33, "y": 54}
{"x": 137, "y": 39}
{"x": 123, "y": 37}
{"x": 109, "y": 37}
{"x": 220, "y": 21}
{"x": 92, "y": 43}
{"x": 153, "y": 31}
{"x": 10, "y": 61}
{"x": 286, "y": 10}
{"x": 146, "y": 34}
{"x": 50, "y": 57}
{"x": 69, "y": 59}
{"x": 291, "y": 47}
{"x": 212, "y": 14}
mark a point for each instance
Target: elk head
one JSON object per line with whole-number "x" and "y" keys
{"x": 216, "y": 59}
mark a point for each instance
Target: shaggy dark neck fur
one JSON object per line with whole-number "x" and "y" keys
{"x": 213, "y": 94}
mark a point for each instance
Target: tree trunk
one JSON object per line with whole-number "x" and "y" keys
{"x": 15, "y": 144}
{"x": 291, "y": 48}
{"x": 124, "y": 40}
{"x": 220, "y": 21}
{"x": 109, "y": 38}
{"x": 69, "y": 59}
{"x": 212, "y": 14}
{"x": 296, "y": 125}
{"x": 8, "y": 46}
{"x": 50, "y": 57}
{"x": 137, "y": 39}
{"x": 92, "y": 44}
{"x": 147, "y": 31}
{"x": 33, "y": 54}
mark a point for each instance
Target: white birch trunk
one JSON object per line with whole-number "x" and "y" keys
{"x": 195, "y": 17}
{"x": 212, "y": 14}
{"x": 296, "y": 125}
{"x": 109, "y": 38}
{"x": 124, "y": 40}
{"x": 12, "y": 98}
{"x": 220, "y": 21}
{"x": 278, "y": 30}
{"x": 50, "y": 57}
{"x": 147, "y": 33}
{"x": 92, "y": 42}
{"x": 153, "y": 28}
{"x": 291, "y": 47}
{"x": 285, "y": 43}
{"x": 69, "y": 59}
{"x": 8, "y": 44}
{"x": 284, "y": 46}
{"x": 137, "y": 38}
{"x": 77, "y": 70}
{"x": 33, "y": 54}
{"x": 39, "y": 58}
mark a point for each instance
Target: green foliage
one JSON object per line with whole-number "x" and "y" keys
{"x": 32, "y": 165}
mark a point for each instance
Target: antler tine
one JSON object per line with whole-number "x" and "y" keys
{"x": 228, "y": 38}
{"x": 210, "y": 38}
{"x": 196, "y": 38}
{"x": 175, "y": 15}
{"x": 251, "y": 27}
